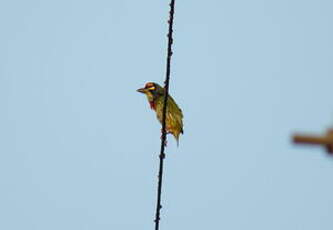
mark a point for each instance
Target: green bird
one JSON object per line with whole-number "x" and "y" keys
{"x": 174, "y": 116}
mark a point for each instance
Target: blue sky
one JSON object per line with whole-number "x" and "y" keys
{"x": 79, "y": 146}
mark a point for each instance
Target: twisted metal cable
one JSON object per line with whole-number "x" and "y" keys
{"x": 163, "y": 139}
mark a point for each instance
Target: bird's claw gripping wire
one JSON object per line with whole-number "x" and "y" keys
{"x": 165, "y": 141}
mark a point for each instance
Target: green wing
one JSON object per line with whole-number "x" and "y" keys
{"x": 176, "y": 114}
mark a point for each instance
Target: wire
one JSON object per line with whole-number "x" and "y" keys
{"x": 163, "y": 139}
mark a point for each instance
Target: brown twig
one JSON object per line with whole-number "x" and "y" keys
{"x": 163, "y": 139}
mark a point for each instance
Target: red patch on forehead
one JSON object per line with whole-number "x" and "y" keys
{"x": 149, "y": 84}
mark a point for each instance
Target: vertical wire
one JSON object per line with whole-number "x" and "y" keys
{"x": 163, "y": 139}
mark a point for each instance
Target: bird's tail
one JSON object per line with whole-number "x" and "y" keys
{"x": 176, "y": 135}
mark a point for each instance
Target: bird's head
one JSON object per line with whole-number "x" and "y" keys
{"x": 152, "y": 90}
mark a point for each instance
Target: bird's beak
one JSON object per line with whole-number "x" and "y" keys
{"x": 142, "y": 90}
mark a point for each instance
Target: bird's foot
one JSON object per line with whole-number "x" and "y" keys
{"x": 165, "y": 142}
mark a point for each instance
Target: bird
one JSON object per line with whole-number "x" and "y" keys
{"x": 174, "y": 115}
